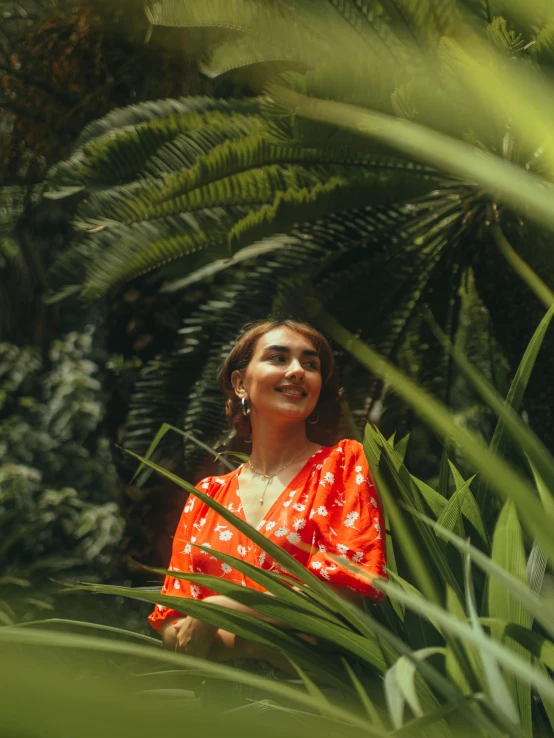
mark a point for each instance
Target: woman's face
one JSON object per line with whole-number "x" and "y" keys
{"x": 283, "y": 378}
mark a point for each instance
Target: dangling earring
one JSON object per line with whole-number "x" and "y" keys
{"x": 313, "y": 422}
{"x": 245, "y": 408}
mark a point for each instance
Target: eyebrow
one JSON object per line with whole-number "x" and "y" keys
{"x": 286, "y": 350}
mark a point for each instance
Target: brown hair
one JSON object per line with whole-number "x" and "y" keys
{"x": 327, "y": 410}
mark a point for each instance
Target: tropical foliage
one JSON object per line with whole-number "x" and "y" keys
{"x": 58, "y": 487}
{"x": 377, "y": 170}
{"x": 463, "y": 644}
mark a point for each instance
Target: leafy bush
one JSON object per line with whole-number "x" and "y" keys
{"x": 58, "y": 486}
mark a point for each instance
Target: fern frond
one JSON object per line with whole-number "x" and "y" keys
{"x": 543, "y": 48}
{"x": 422, "y": 22}
{"x": 505, "y": 38}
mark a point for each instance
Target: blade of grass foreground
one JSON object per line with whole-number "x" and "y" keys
{"x": 502, "y": 478}
{"x": 242, "y": 624}
{"x": 509, "y": 421}
{"x": 298, "y": 620}
{"x": 538, "y": 609}
{"x": 506, "y": 181}
{"x": 497, "y": 688}
{"x": 164, "y": 429}
{"x": 279, "y": 689}
{"x": 509, "y": 553}
{"x": 91, "y": 626}
{"x": 460, "y": 629}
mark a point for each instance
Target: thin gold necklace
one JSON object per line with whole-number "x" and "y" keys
{"x": 269, "y": 477}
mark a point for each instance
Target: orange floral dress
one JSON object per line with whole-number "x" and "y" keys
{"x": 328, "y": 512}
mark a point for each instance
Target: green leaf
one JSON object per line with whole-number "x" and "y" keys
{"x": 503, "y": 180}
{"x": 400, "y": 687}
{"x": 494, "y": 680}
{"x": 503, "y": 656}
{"x": 30, "y": 637}
{"x": 515, "y": 396}
{"x": 531, "y": 602}
{"x": 509, "y": 553}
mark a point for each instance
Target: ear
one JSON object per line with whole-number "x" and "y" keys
{"x": 238, "y": 384}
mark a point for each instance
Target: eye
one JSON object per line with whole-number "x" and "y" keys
{"x": 276, "y": 357}
{"x": 313, "y": 365}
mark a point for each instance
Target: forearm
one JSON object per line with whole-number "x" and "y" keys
{"x": 230, "y": 647}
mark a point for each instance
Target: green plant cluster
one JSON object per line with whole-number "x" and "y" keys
{"x": 461, "y": 646}
{"x": 58, "y": 486}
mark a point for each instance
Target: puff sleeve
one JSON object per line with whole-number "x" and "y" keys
{"x": 348, "y": 523}
{"x": 181, "y": 561}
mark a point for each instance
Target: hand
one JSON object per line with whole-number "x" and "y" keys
{"x": 194, "y": 637}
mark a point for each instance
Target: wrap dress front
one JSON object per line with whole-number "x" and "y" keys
{"x": 329, "y": 513}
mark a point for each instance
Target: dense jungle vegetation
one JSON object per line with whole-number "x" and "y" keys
{"x": 382, "y": 169}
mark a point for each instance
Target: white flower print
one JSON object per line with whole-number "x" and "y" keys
{"x": 299, "y": 507}
{"x": 231, "y": 507}
{"x": 205, "y": 485}
{"x": 312, "y": 513}
{"x": 293, "y": 538}
{"x": 187, "y": 549}
{"x": 373, "y": 501}
{"x": 280, "y": 532}
{"x": 316, "y": 564}
{"x": 319, "y": 466}
{"x": 340, "y": 501}
{"x": 270, "y": 525}
{"x": 359, "y": 468}
{"x": 329, "y": 477}
{"x": 342, "y": 548}
{"x": 226, "y": 569}
{"x": 322, "y": 547}
{"x": 225, "y": 535}
{"x": 190, "y": 504}
{"x": 206, "y": 545}
{"x": 241, "y": 550}
{"x": 292, "y": 493}
{"x": 161, "y": 608}
{"x": 195, "y": 590}
{"x": 358, "y": 557}
{"x": 200, "y": 523}
{"x": 219, "y": 481}
{"x": 321, "y": 510}
{"x": 324, "y": 573}
{"x": 299, "y": 523}
{"x": 176, "y": 584}
{"x": 261, "y": 558}
{"x": 377, "y": 527}
{"x": 287, "y": 503}
{"x": 339, "y": 450}
{"x": 360, "y": 479}
{"x": 351, "y": 519}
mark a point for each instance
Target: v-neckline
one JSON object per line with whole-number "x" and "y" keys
{"x": 277, "y": 500}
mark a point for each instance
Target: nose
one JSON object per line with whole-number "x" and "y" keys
{"x": 295, "y": 370}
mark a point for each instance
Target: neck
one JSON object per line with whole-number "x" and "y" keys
{"x": 274, "y": 445}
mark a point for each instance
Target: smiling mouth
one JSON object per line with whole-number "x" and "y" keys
{"x": 292, "y": 391}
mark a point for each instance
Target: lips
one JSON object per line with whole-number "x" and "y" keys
{"x": 292, "y": 391}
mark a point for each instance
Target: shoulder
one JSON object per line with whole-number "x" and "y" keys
{"x": 342, "y": 459}
{"x": 346, "y": 452}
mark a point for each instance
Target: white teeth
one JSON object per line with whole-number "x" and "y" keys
{"x": 293, "y": 392}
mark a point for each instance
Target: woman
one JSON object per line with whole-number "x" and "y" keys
{"x": 316, "y": 501}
